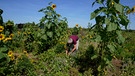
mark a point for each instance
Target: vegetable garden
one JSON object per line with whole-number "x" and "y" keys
{"x": 105, "y": 49}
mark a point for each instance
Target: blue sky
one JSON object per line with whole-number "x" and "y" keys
{"x": 76, "y": 11}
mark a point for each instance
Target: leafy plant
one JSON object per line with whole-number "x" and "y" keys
{"x": 52, "y": 27}
{"x": 110, "y": 18}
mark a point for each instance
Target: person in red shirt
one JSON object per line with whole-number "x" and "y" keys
{"x": 72, "y": 44}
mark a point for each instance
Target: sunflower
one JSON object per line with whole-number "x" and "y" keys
{"x": 25, "y": 52}
{"x": 9, "y": 38}
{"x": 12, "y": 58}
{"x": 1, "y": 28}
{"x": 112, "y": 3}
{"x": 29, "y": 32}
{"x": 53, "y": 6}
{"x": 11, "y": 35}
{"x": 2, "y": 36}
{"x": 58, "y": 15}
{"x": 91, "y": 36}
{"x": 128, "y": 12}
{"x": 76, "y": 25}
{"x": 6, "y": 39}
{"x": 10, "y": 53}
{"x": 18, "y": 32}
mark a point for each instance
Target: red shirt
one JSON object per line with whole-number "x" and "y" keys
{"x": 75, "y": 38}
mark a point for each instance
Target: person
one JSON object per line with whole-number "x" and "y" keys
{"x": 72, "y": 44}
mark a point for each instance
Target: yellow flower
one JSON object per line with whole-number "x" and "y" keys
{"x": 2, "y": 36}
{"x": 29, "y": 32}
{"x": 12, "y": 58}
{"x": 25, "y": 52}
{"x": 82, "y": 37}
{"x": 18, "y": 32}
{"x": 53, "y": 6}
{"x": 76, "y": 25}
{"x": 65, "y": 46}
{"x": 10, "y": 53}
{"x": 9, "y": 38}
{"x": 11, "y": 35}
{"x": 114, "y": 57}
{"x": 6, "y": 39}
{"x": 91, "y": 36}
{"x": 1, "y": 28}
{"x": 112, "y": 3}
{"x": 24, "y": 33}
{"x": 32, "y": 60}
{"x": 129, "y": 11}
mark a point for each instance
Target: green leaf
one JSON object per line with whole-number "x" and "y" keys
{"x": 2, "y": 55}
{"x": 93, "y": 3}
{"x": 118, "y": 7}
{"x": 44, "y": 37}
{"x": 38, "y": 34}
{"x": 58, "y": 34}
{"x": 111, "y": 27}
{"x": 96, "y": 12}
{"x": 98, "y": 38}
{"x": 121, "y": 39}
{"x": 42, "y": 31}
{"x": 94, "y": 56}
{"x": 100, "y": 1}
{"x": 39, "y": 42}
{"x": 93, "y": 15}
{"x": 124, "y": 20}
{"x": 107, "y": 21}
{"x": 49, "y": 13}
{"x": 49, "y": 25}
{"x": 50, "y": 34}
{"x": 3, "y": 49}
{"x": 111, "y": 47}
{"x": 99, "y": 68}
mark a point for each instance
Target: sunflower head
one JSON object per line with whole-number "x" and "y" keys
{"x": 18, "y": 32}
{"x": 76, "y": 25}
{"x": 112, "y": 3}
{"x": 9, "y": 38}
{"x": 1, "y": 28}
{"x": 2, "y": 36}
{"x": 10, "y": 53}
{"x": 12, "y": 58}
{"x": 53, "y": 6}
{"x": 58, "y": 15}
{"x": 11, "y": 35}
{"x": 25, "y": 52}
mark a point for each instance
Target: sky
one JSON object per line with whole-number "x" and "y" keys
{"x": 76, "y": 11}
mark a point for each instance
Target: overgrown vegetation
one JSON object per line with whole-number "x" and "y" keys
{"x": 39, "y": 49}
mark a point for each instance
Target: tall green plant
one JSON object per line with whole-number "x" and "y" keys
{"x": 52, "y": 27}
{"x": 110, "y": 18}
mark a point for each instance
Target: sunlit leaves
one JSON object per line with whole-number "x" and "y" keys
{"x": 121, "y": 39}
{"x": 119, "y": 7}
{"x": 107, "y": 28}
{"x": 111, "y": 47}
{"x": 44, "y": 37}
{"x": 124, "y": 21}
{"x": 96, "y": 12}
{"x": 98, "y": 38}
{"x": 50, "y": 34}
{"x": 111, "y": 26}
